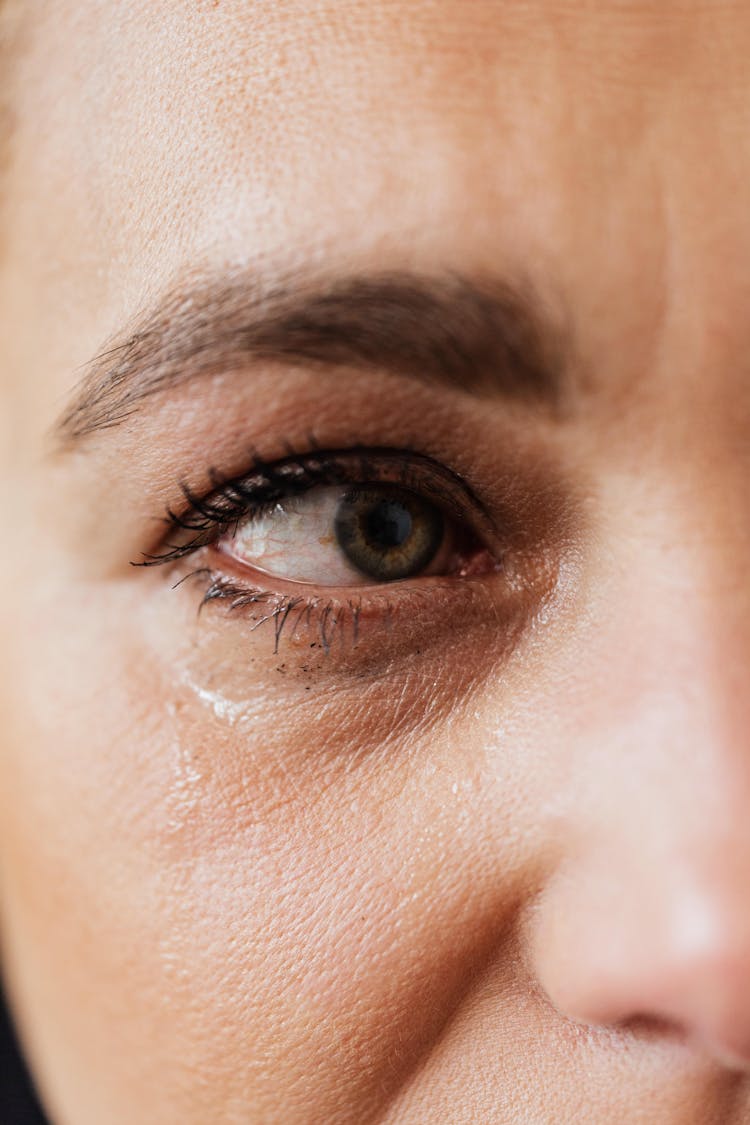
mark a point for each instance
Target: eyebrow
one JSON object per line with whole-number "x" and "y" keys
{"x": 483, "y": 336}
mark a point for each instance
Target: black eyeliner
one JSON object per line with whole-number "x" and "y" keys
{"x": 206, "y": 518}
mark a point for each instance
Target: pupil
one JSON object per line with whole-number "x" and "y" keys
{"x": 387, "y": 525}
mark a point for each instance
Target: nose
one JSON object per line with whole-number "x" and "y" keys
{"x": 619, "y": 946}
{"x": 646, "y": 917}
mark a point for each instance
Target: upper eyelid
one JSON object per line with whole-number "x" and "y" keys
{"x": 298, "y": 473}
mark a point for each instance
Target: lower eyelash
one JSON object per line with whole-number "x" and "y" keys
{"x": 286, "y": 612}
{"x": 364, "y": 634}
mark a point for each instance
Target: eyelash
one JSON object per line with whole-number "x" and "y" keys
{"x": 205, "y": 519}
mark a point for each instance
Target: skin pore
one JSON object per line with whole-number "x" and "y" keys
{"x": 471, "y": 845}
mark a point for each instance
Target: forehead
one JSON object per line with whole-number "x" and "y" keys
{"x": 343, "y": 103}
{"x": 566, "y": 141}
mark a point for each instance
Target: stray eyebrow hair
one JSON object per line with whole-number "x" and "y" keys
{"x": 482, "y": 336}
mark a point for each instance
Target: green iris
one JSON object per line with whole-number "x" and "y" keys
{"x": 387, "y": 532}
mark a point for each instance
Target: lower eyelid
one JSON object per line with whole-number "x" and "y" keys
{"x": 362, "y": 631}
{"x": 333, "y": 624}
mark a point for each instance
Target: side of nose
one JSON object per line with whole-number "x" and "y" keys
{"x": 646, "y": 916}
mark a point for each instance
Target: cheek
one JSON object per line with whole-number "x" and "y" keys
{"x": 234, "y": 905}
{"x": 248, "y": 884}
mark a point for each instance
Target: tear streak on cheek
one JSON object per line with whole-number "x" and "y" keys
{"x": 228, "y": 711}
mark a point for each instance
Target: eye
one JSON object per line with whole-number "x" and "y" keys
{"x": 290, "y": 540}
{"x": 347, "y": 536}
{"x": 355, "y": 518}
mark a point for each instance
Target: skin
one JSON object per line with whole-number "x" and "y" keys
{"x": 492, "y": 865}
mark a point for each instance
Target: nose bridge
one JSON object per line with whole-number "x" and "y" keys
{"x": 669, "y": 681}
{"x": 672, "y": 605}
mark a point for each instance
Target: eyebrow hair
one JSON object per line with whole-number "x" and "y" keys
{"x": 480, "y": 335}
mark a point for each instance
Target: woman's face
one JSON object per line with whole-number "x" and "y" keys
{"x": 413, "y": 785}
